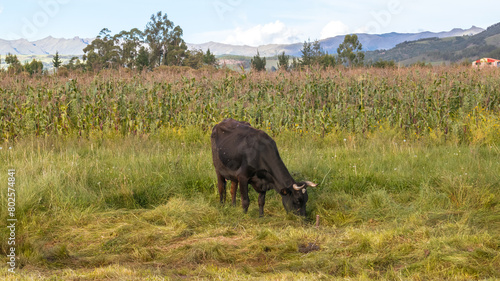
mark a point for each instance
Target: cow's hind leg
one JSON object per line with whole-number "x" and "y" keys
{"x": 221, "y": 185}
{"x": 234, "y": 188}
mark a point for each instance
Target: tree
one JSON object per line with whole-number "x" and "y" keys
{"x": 311, "y": 53}
{"x": 142, "y": 59}
{"x": 209, "y": 58}
{"x": 349, "y": 51}
{"x": 14, "y": 64}
{"x": 165, "y": 46}
{"x": 258, "y": 63}
{"x": 11, "y": 59}
{"x": 327, "y": 60}
{"x": 74, "y": 63}
{"x": 283, "y": 61}
{"x": 384, "y": 64}
{"x": 295, "y": 63}
{"x": 33, "y": 67}
{"x": 129, "y": 43}
{"x": 56, "y": 62}
{"x": 176, "y": 49}
{"x": 306, "y": 53}
{"x": 102, "y": 52}
{"x": 165, "y": 41}
{"x": 194, "y": 59}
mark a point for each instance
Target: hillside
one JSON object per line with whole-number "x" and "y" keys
{"x": 439, "y": 50}
{"x": 370, "y": 42}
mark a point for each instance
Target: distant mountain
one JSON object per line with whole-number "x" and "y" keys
{"x": 46, "y": 46}
{"x": 444, "y": 50}
{"x": 370, "y": 42}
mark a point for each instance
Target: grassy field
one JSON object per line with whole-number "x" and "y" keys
{"x": 114, "y": 178}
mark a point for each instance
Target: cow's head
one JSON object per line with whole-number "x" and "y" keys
{"x": 295, "y": 197}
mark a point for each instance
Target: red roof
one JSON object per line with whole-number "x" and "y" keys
{"x": 483, "y": 60}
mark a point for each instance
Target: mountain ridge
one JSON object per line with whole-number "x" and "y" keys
{"x": 371, "y": 42}
{"x": 46, "y": 46}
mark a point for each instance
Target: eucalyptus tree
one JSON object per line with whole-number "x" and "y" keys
{"x": 102, "y": 52}
{"x": 165, "y": 41}
{"x": 349, "y": 51}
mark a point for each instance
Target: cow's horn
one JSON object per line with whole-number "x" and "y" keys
{"x": 296, "y": 187}
{"x": 311, "y": 184}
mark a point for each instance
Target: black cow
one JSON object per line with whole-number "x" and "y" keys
{"x": 245, "y": 155}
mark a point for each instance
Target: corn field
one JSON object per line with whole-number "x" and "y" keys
{"x": 454, "y": 103}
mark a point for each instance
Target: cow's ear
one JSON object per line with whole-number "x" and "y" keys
{"x": 284, "y": 191}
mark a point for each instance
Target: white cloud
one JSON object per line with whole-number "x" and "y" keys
{"x": 269, "y": 33}
{"x": 1, "y": 9}
{"x": 334, "y": 28}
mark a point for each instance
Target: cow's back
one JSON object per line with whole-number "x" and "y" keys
{"x": 226, "y": 138}
{"x": 235, "y": 143}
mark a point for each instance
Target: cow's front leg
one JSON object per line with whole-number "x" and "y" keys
{"x": 221, "y": 185}
{"x": 262, "y": 201}
{"x": 245, "y": 201}
{"x": 234, "y": 187}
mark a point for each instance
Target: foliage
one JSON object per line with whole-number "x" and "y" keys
{"x": 75, "y": 63}
{"x": 14, "y": 64}
{"x": 310, "y": 53}
{"x": 349, "y": 51}
{"x": 127, "y": 48}
{"x": 130, "y": 42}
{"x": 56, "y": 61}
{"x": 33, "y": 67}
{"x": 102, "y": 52}
{"x": 384, "y": 64}
{"x": 258, "y": 63}
{"x": 196, "y": 59}
{"x": 327, "y": 60}
{"x": 283, "y": 61}
{"x": 142, "y": 61}
{"x": 209, "y": 58}
{"x": 295, "y": 64}
{"x": 165, "y": 42}
{"x": 11, "y": 59}
{"x": 313, "y": 55}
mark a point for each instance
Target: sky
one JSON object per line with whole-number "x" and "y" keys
{"x": 243, "y": 22}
